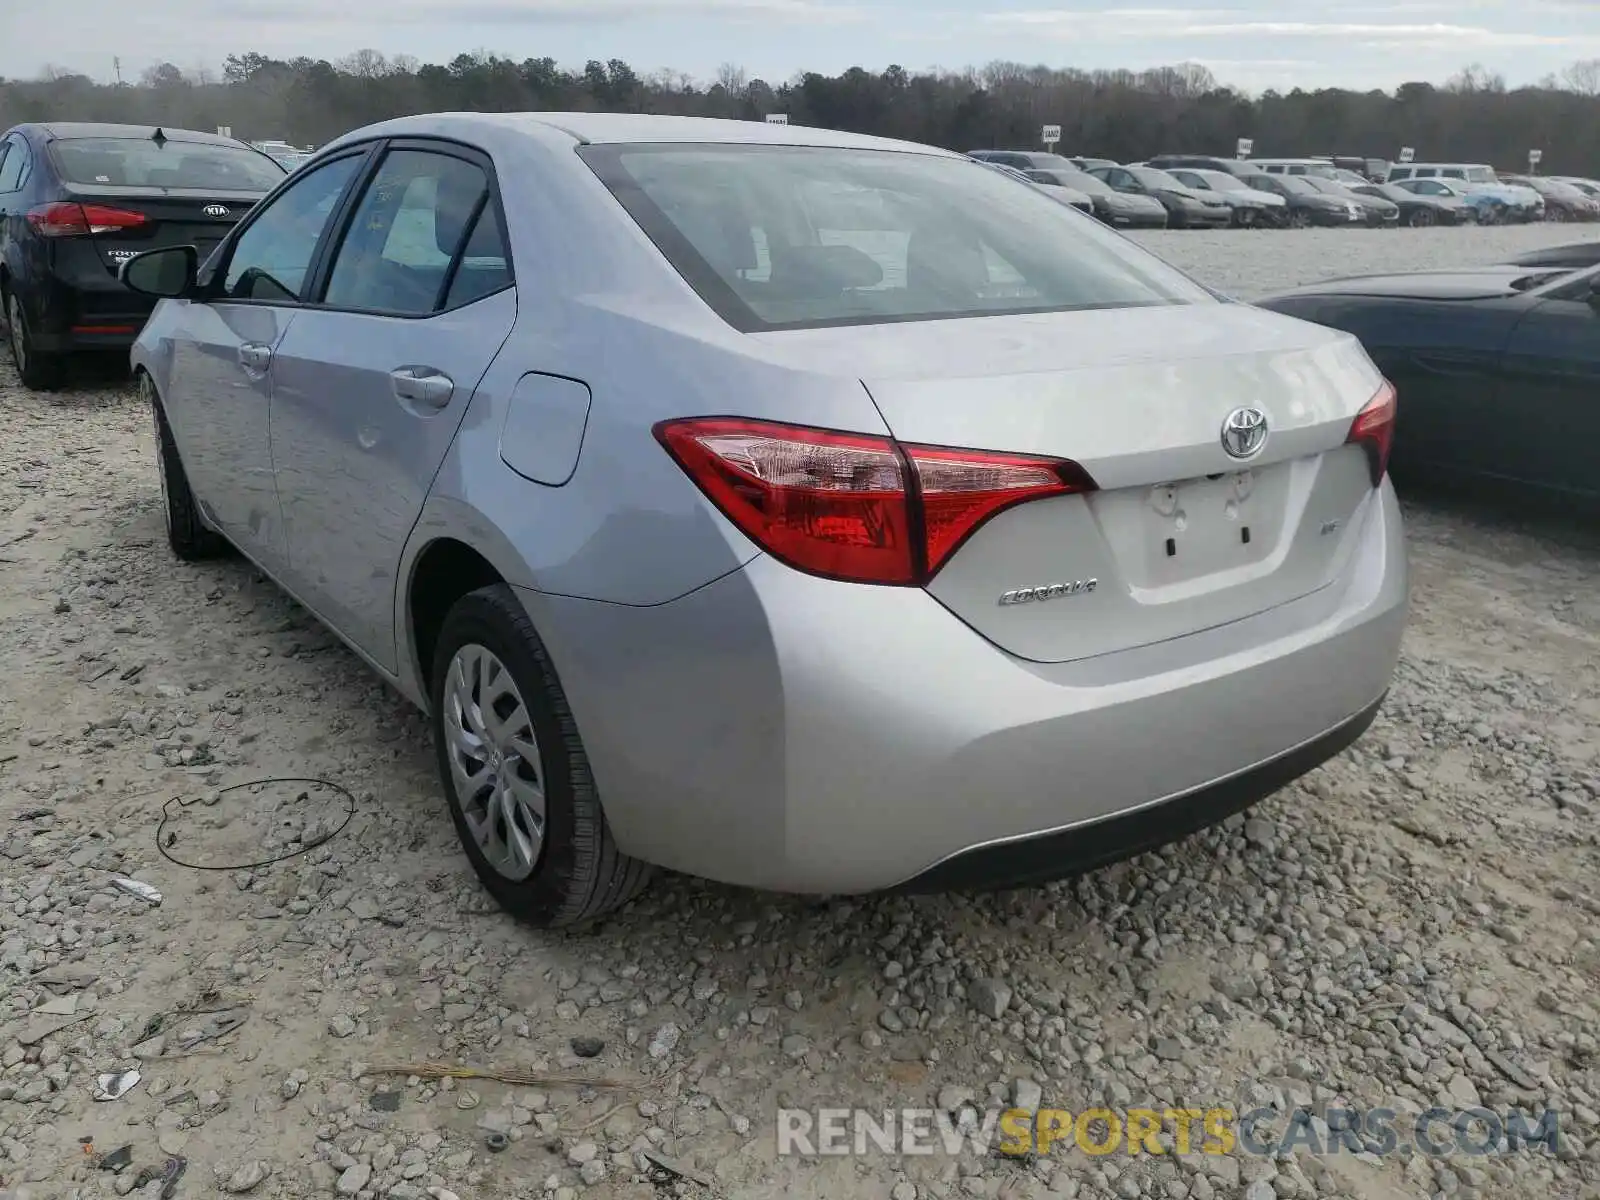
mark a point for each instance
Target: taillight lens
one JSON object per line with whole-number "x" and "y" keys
{"x": 1373, "y": 430}
{"x": 64, "y": 219}
{"x": 856, "y": 507}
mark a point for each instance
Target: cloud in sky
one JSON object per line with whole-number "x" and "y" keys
{"x": 1252, "y": 43}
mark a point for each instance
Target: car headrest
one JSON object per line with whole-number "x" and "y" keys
{"x": 941, "y": 263}
{"x": 824, "y": 268}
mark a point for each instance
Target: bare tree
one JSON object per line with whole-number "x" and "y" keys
{"x": 365, "y": 64}
{"x": 1583, "y": 77}
{"x": 1475, "y": 78}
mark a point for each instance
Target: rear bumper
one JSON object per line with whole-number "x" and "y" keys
{"x": 84, "y": 314}
{"x": 778, "y": 731}
{"x": 1040, "y": 859}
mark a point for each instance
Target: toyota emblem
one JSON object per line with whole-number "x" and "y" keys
{"x": 215, "y": 210}
{"x": 1244, "y": 432}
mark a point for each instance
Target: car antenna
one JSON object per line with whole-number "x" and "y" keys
{"x": 158, "y": 137}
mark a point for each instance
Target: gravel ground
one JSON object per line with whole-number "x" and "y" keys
{"x": 1412, "y": 924}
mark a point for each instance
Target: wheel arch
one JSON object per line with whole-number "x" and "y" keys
{"x": 442, "y": 571}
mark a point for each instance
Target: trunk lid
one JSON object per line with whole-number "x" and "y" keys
{"x": 174, "y": 217}
{"x": 1180, "y": 536}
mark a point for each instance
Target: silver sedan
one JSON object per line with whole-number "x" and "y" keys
{"x": 802, "y": 510}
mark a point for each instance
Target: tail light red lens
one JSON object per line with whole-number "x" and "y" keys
{"x": 1373, "y": 429}
{"x": 65, "y": 219}
{"x": 856, "y": 507}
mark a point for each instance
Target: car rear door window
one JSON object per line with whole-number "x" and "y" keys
{"x": 270, "y": 260}
{"x": 485, "y": 265}
{"x": 11, "y": 161}
{"x": 406, "y": 231}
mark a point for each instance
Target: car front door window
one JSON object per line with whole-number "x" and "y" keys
{"x": 270, "y": 260}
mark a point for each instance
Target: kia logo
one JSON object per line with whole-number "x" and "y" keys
{"x": 214, "y": 210}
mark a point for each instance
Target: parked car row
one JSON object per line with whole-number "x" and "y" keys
{"x": 1201, "y": 191}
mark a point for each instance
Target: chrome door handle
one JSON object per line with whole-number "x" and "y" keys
{"x": 422, "y": 385}
{"x": 255, "y": 355}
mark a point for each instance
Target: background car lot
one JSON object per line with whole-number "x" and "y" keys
{"x": 1415, "y": 921}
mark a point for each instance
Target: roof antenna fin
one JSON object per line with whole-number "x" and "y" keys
{"x": 158, "y": 137}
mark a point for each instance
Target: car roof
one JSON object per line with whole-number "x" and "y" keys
{"x": 66, "y": 130}
{"x": 613, "y": 128}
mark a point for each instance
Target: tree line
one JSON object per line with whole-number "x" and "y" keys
{"x": 1125, "y": 115}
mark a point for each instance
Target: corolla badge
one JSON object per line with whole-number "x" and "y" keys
{"x": 1244, "y": 432}
{"x": 1049, "y": 591}
{"x": 215, "y": 210}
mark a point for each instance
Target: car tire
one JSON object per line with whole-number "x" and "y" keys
{"x": 1422, "y": 218}
{"x": 1300, "y": 219}
{"x": 186, "y": 532}
{"x": 574, "y": 872}
{"x": 40, "y": 372}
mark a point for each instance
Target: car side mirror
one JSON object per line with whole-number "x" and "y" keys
{"x": 167, "y": 274}
{"x": 1594, "y": 292}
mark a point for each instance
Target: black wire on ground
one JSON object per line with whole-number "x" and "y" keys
{"x": 167, "y": 814}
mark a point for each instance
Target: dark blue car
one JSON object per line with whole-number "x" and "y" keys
{"x": 77, "y": 200}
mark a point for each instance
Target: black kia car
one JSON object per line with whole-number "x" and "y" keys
{"x": 77, "y": 200}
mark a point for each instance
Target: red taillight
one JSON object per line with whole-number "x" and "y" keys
{"x": 853, "y": 506}
{"x": 1373, "y": 429}
{"x": 64, "y": 219}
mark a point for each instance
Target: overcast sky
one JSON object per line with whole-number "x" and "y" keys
{"x": 1254, "y": 44}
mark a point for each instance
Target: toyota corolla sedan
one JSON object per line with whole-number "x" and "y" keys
{"x": 806, "y": 511}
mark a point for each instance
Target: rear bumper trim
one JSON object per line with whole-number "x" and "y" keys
{"x": 1046, "y": 857}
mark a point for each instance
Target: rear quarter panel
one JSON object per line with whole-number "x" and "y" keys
{"x": 597, "y": 303}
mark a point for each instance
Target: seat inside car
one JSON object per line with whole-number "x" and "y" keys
{"x": 943, "y": 268}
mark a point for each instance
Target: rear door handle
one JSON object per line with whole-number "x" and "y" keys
{"x": 257, "y": 356}
{"x": 422, "y": 385}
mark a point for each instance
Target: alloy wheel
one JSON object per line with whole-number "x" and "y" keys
{"x": 495, "y": 766}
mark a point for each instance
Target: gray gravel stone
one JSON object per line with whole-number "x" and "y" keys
{"x": 991, "y": 997}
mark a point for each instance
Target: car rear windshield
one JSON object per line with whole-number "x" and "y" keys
{"x": 1298, "y": 184}
{"x": 1152, "y": 178}
{"x": 1085, "y": 182}
{"x": 792, "y": 237}
{"x": 144, "y": 163}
